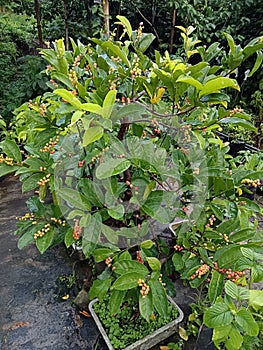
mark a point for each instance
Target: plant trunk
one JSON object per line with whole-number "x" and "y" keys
{"x": 39, "y": 28}
{"x": 65, "y": 2}
{"x": 106, "y": 11}
{"x": 172, "y": 30}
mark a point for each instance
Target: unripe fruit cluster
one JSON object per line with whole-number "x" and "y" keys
{"x": 108, "y": 261}
{"x": 139, "y": 258}
{"x": 42, "y": 232}
{"x": 49, "y": 147}
{"x": 145, "y": 288}
{"x": 178, "y": 248}
{"x": 6, "y": 160}
{"x": 202, "y": 270}
{"x": 44, "y": 180}
{"x": 210, "y": 221}
{"x": 59, "y": 221}
{"x": 254, "y": 183}
{"x": 27, "y": 216}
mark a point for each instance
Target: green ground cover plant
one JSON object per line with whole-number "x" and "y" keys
{"x": 122, "y": 141}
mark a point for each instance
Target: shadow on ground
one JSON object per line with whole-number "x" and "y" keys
{"x": 34, "y": 314}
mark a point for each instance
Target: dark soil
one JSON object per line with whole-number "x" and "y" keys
{"x": 37, "y": 291}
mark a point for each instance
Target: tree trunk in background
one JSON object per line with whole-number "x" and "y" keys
{"x": 106, "y": 11}
{"x": 65, "y": 2}
{"x": 39, "y": 28}
{"x": 172, "y": 31}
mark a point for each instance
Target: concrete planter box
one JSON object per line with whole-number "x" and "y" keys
{"x": 150, "y": 340}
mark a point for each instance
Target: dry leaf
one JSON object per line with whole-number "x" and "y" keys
{"x": 182, "y": 333}
{"x": 85, "y": 313}
{"x": 66, "y": 297}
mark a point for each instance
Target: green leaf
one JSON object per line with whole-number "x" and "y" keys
{"x": 191, "y": 81}
{"x": 43, "y": 243}
{"x": 74, "y": 198}
{"x": 126, "y": 23}
{"x": 257, "y": 63}
{"x": 26, "y": 238}
{"x": 115, "y": 50}
{"x": 31, "y": 182}
{"x": 154, "y": 263}
{"x": 108, "y": 104}
{"x": 146, "y": 307}
{"x": 67, "y": 95}
{"x": 116, "y": 212}
{"x": 100, "y": 254}
{"x": 153, "y": 207}
{"x": 238, "y": 121}
{"x": 69, "y": 240}
{"x": 218, "y": 83}
{"x": 76, "y": 116}
{"x": 178, "y": 261}
{"x": 63, "y": 78}
{"x": 159, "y": 297}
{"x": 218, "y": 315}
{"x": 128, "y": 281}
{"x": 91, "y": 107}
{"x": 147, "y": 244}
{"x": 235, "y": 339}
{"x": 92, "y": 134}
{"x": 215, "y": 286}
{"x": 245, "y": 320}
{"x": 91, "y": 234}
{"x": 256, "y": 298}
{"x": 99, "y": 288}
{"x": 8, "y": 169}
{"x": 116, "y": 300}
{"x": 110, "y": 234}
{"x": 243, "y": 235}
{"x": 124, "y": 266}
{"x": 112, "y": 167}
{"x": 10, "y": 148}
{"x": 231, "y": 289}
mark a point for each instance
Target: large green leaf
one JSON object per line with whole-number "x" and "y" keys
{"x": 218, "y": 83}
{"x": 124, "y": 266}
{"x": 238, "y": 121}
{"x": 245, "y": 320}
{"x": 257, "y": 63}
{"x": 112, "y": 167}
{"x": 159, "y": 297}
{"x": 146, "y": 307}
{"x": 92, "y": 134}
{"x": 116, "y": 300}
{"x": 218, "y": 315}
{"x": 256, "y": 298}
{"x": 43, "y": 243}
{"x": 10, "y": 148}
{"x": 191, "y": 81}
{"x": 91, "y": 234}
{"x": 154, "y": 263}
{"x": 215, "y": 286}
{"x": 128, "y": 280}
{"x": 69, "y": 97}
{"x": 99, "y": 288}
{"x": 100, "y": 254}
{"x": 7, "y": 169}
{"x": 74, "y": 198}
{"x": 108, "y": 104}
{"x": 126, "y": 23}
{"x": 116, "y": 51}
{"x": 235, "y": 339}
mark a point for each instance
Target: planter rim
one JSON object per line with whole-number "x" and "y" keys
{"x": 136, "y": 345}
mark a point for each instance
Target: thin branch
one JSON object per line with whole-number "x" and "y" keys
{"x": 165, "y": 115}
{"x": 146, "y": 20}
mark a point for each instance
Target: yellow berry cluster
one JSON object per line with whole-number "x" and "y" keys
{"x": 77, "y": 60}
{"x": 42, "y": 232}
{"x": 42, "y": 168}
{"x": 236, "y": 110}
{"x": 53, "y": 83}
{"x": 6, "y": 160}
{"x": 135, "y": 71}
{"x": 254, "y": 183}
{"x": 139, "y": 31}
{"x": 202, "y": 270}
{"x": 73, "y": 77}
{"x": 225, "y": 236}
{"x": 161, "y": 281}
{"x": 42, "y": 109}
{"x": 27, "y": 216}
{"x": 99, "y": 155}
{"x": 44, "y": 180}
{"x": 145, "y": 288}
{"x": 186, "y": 136}
{"x": 210, "y": 221}
{"x": 49, "y": 146}
{"x": 59, "y": 221}
{"x": 115, "y": 59}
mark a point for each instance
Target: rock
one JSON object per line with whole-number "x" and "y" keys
{"x": 82, "y": 300}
